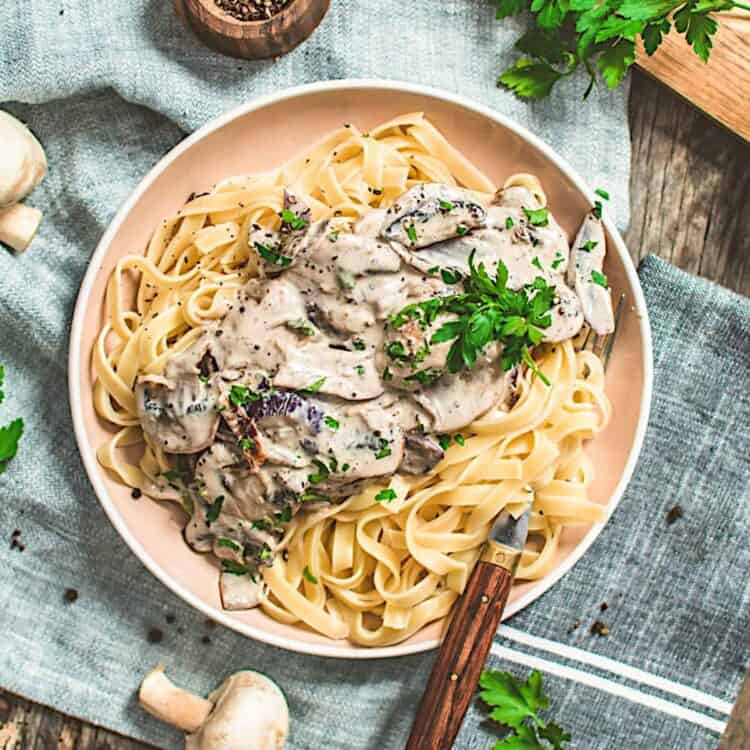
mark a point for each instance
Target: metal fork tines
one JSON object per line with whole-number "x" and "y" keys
{"x": 602, "y": 345}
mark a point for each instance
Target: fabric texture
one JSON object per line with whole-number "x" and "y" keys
{"x": 109, "y": 88}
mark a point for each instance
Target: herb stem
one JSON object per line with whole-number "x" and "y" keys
{"x": 742, "y": 6}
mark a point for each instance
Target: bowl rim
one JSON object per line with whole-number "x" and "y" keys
{"x": 88, "y": 452}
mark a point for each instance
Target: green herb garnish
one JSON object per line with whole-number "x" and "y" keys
{"x": 461, "y": 230}
{"x": 222, "y": 541}
{"x": 247, "y": 444}
{"x": 301, "y": 326}
{"x": 432, "y": 271}
{"x": 536, "y": 262}
{"x": 509, "y": 222}
{"x": 320, "y": 475}
{"x": 425, "y": 377}
{"x": 588, "y": 246}
{"x": 538, "y": 217}
{"x": 384, "y": 451}
{"x": 331, "y": 423}
{"x": 359, "y": 345}
{"x": 599, "y": 278}
{"x": 459, "y": 439}
{"x": 240, "y": 395}
{"x": 385, "y": 496}
{"x": 294, "y": 221}
{"x": 233, "y": 567}
{"x": 314, "y": 497}
{"x": 271, "y": 256}
{"x": 517, "y": 705}
{"x": 600, "y": 37}
{"x": 308, "y": 576}
{"x": 387, "y": 374}
{"x": 445, "y": 441}
{"x": 451, "y": 277}
{"x": 171, "y": 475}
{"x": 597, "y": 210}
{"x": 557, "y": 262}
{"x": 411, "y": 233}
{"x": 214, "y": 509}
{"x": 360, "y": 370}
{"x": 10, "y": 434}
{"x": 445, "y": 205}
{"x": 316, "y": 386}
{"x": 345, "y": 467}
{"x": 486, "y": 311}
{"x": 265, "y": 553}
{"x": 602, "y": 193}
{"x": 285, "y": 515}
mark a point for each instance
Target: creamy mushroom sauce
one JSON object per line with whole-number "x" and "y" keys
{"x": 292, "y": 399}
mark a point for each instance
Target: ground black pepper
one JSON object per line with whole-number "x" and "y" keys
{"x": 252, "y": 10}
{"x": 70, "y": 596}
{"x": 674, "y": 514}
{"x": 15, "y": 541}
{"x": 155, "y": 635}
{"x": 599, "y": 628}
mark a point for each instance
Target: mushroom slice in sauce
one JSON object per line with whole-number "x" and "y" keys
{"x": 423, "y": 453}
{"x": 178, "y": 414}
{"x": 585, "y": 275}
{"x": 430, "y": 213}
{"x": 240, "y": 591}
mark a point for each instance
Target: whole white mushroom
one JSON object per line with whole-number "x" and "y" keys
{"x": 247, "y": 712}
{"x": 22, "y": 167}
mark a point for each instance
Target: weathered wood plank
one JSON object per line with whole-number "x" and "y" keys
{"x": 689, "y": 187}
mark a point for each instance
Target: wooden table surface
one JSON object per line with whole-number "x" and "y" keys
{"x": 689, "y": 204}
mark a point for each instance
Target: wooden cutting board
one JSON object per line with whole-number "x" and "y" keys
{"x": 721, "y": 88}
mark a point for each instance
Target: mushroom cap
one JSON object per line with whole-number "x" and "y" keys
{"x": 23, "y": 163}
{"x": 250, "y": 713}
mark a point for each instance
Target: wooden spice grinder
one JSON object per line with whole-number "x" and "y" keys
{"x": 253, "y": 40}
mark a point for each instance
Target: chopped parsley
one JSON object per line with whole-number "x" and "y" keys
{"x": 451, "y": 277}
{"x": 316, "y": 386}
{"x": 445, "y": 441}
{"x": 10, "y": 434}
{"x": 599, "y": 278}
{"x": 333, "y": 236}
{"x": 331, "y": 423}
{"x": 426, "y": 376}
{"x": 314, "y": 497}
{"x": 233, "y": 567}
{"x": 445, "y": 205}
{"x": 222, "y": 541}
{"x": 360, "y": 370}
{"x": 320, "y": 475}
{"x": 411, "y": 233}
{"x": 597, "y": 209}
{"x": 265, "y": 553}
{"x": 459, "y": 439}
{"x": 271, "y": 256}
{"x": 509, "y": 222}
{"x": 247, "y": 444}
{"x": 461, "y": 230}
{"x": 538, "y": 217}
{"x": 203, "y": 378}
{"x": 384, "y": 451}
{"x": 359, "y": 345}
{"x": 214, "y": 509}
{"x": 557, "y": 262}
{"x": 432, "y": 271}
{"x": 239, "y": 395}
{"x": 171, "y": 475}
{"x": 602, "y": 193}
{"x": 536, "y": 262}
{"x": 262, "y": 525}
{"x": 308, "y": 576}
{"x": 396, "y": 350}
{"x": 301, "y": 326}
{"x": 345, "y": 467}
{"x": 387, "y": 374}
{"x": 294, "y": 221}
{"x": 284, "y": 516}
{"x": 486, "y": 311}
{"x": 385, "y": 496}
{"x": 588, "y": 246}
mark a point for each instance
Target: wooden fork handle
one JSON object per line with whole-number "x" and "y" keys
{"x": 461, "y": 658}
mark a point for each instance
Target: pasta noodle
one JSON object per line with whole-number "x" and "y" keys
{"x": 368, "y": 571}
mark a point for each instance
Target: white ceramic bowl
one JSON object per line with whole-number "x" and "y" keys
{"x": 259, "y": 136}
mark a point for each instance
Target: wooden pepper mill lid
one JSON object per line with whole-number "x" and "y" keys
{"x": 254, "y": 40}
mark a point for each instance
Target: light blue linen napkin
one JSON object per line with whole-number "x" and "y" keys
{"x": 109, "y": 88}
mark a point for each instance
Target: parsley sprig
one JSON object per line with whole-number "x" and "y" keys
{"x": 487, "y": 311}
{"x": 10, "y": 435}
{"x": 517, "y": 705}
{"x": 600, "y": 36}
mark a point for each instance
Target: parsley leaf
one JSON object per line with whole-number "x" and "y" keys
{"x": 615, "y": 61}
{"x": 331, "y": 423}
{"x": 239, "y": 395}
{"x": 538, "y": 217}
{"x": 212, "y": 514}
{"x": 517, "y": 705}
{"x": 599, "y": 278}
{"x": 411, "y": 233}
{"x": 308, "y": 576}
{"x": 385, "y": 496}
{"x": 294, "y": 221}
{"x": 271, "y": 256}
{"x": 235, "y": 568}
{"x": 507, "y": 8}
{"x": 314, "y": 387}
{"x": 529, "y": 79}
{"x": 445, "y": 205}
{"x": 10, "y": 435}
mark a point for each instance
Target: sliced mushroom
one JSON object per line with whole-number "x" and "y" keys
{"x": 247, "y": 712}
{"x": 586, "y": 276}
{"x": 430, "y": 213}
{"x": 422, "y": 454}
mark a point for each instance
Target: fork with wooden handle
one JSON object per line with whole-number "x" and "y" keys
{"x": 467, "y": 641}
